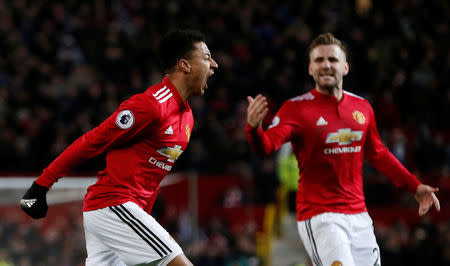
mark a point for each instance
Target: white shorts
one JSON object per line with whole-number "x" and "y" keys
{"x": 126, "y": 235}
{"x": 340, "y": 239}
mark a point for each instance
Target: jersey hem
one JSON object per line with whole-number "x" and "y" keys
{"x": 87, "y": 208}
{"x": 310, "y": 214}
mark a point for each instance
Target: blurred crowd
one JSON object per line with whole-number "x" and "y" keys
{"x": 424, "y": 243}
{"x": 66, "y": 65}
{"x": 25, "y": 244}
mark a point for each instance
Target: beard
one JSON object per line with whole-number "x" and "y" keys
{"x": 328, "y": 84}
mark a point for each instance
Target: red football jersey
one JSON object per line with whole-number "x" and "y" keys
{"x": 142, "y": 139}
{"x": 330, "y": 140}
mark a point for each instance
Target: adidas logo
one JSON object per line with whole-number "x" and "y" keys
{"x": 28, "y": 202}
{"x": 321, "y": 122}
{"x": 169, "y": 130}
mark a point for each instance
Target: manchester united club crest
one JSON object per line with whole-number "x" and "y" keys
{"x": 359, "y": 117}
{"x": 188, "y": 132}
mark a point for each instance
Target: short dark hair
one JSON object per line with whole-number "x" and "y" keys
{"x": 326, "y": 39}
{"x": 177, "y": 44}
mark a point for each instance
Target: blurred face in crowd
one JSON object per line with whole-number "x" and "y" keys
{"x": 201, "y": 66}
{"x": 328, "y": 65}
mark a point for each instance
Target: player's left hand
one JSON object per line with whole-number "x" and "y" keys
{"x": 34, "y": 202}
{"x": 426, "y": 198}
{"x": 256, "y": 111}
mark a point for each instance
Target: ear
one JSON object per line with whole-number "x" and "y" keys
{"x": 184, "y": 65}
{"x": 310, "y": 70}
{"x": 346, "y": 69}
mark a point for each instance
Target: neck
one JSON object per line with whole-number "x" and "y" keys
{"x": 336, "y": 91}
{"x": 180, "y": 85}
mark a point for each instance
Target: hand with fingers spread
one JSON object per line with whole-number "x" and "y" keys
{"x": 256, "y": 111}
{"x": 426, "y": 198}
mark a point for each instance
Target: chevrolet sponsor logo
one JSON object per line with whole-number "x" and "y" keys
{"x": 160, "y": 164}
{"x": 344, "y": 136}
{"x": 171, "y": 153}
{"x": 339, "y": 150}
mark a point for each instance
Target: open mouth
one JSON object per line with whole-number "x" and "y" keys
{"x": 330, "y": 75}
{"x": 326, "y": 76}
{"x": 207, "y": 77}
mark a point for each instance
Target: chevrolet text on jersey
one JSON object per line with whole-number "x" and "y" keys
{"x": 160, "y": 164}
{"x": 339, "y": 150}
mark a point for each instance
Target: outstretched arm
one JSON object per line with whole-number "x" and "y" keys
{"x": 113, "y": 131}
{"x": 426, "y": 198}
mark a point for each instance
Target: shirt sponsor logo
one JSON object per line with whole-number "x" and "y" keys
{"x": 339, "y": 150}
{"x": 125, "y": 119}
{"x": 188, "y": 132}
{"x": 160, "y": 164}
{"x": 171, "y": 153}
{"x": 344, "y": 136}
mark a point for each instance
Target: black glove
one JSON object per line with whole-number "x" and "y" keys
{"x": 34, "y": 202}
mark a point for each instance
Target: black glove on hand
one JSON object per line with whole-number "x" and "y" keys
{"x": 34, "y": 202}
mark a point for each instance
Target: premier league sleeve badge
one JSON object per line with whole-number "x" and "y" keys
{"x": 125, "y": 119}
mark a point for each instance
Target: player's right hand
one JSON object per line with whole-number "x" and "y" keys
{"x": 426, "y": 198}
{"x": 256, "y": 111}
{"x": 34, "y": 202}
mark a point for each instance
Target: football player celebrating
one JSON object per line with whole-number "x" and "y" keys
{"x": 332, "y": 131}
{"x": 142, "y": 139}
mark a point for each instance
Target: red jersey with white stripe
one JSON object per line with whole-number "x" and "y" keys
{"x": 142, "y": 139}
{"x": 330, "y": 140}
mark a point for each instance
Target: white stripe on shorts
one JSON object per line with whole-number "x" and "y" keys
{"x": 315, "y": 254}
{"x": 144, "y": 232}
{"x": 126, "y": 235}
